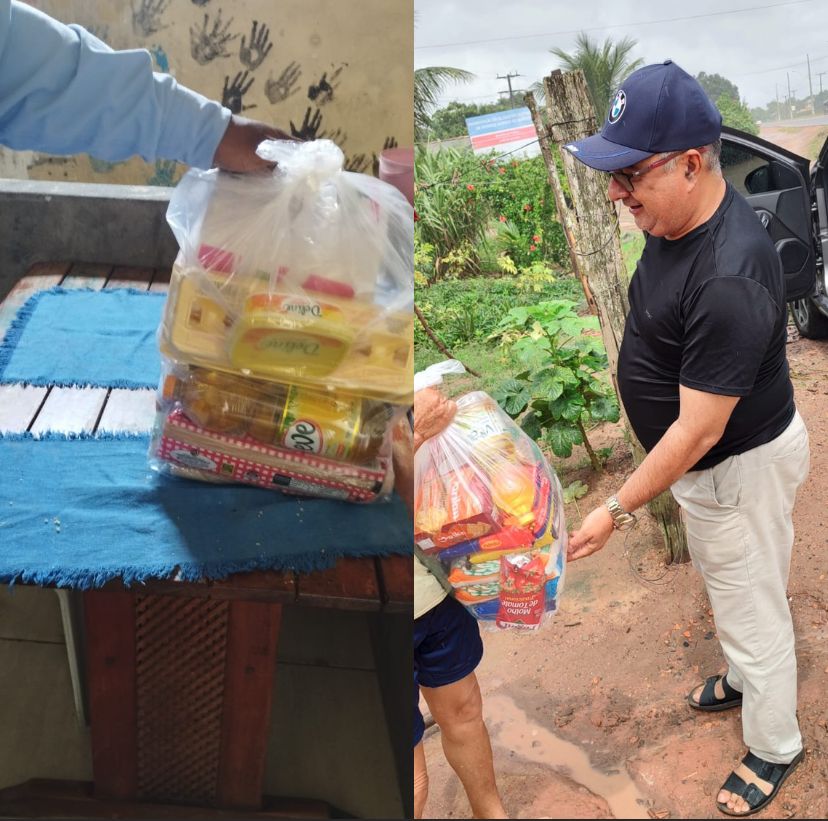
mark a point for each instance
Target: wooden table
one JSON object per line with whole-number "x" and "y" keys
{"x": 180, "y": 674}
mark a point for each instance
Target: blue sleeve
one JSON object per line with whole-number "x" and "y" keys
{"x": 63, "y": 91}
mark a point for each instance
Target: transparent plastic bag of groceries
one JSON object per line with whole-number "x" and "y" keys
{"x": 489, "y": 508}
{"x": 218, "y": 426}
{"x": 302, "y": 275}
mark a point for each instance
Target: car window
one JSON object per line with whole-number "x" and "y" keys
{"x": 750, "y": 173}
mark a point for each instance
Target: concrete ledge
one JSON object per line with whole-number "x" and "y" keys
{"x": 44, "y": 221}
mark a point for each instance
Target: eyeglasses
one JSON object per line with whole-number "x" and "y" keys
{"x": 626, "y": 180}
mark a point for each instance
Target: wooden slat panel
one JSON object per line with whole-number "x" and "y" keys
{"x": 18, "y": 406}
{"x": 70, "y": 410}
{"x": 128, "y": 411}
{"x": 39, "y": 278}
{"x": 161, "y": 280}
{"x": 110, "y": 647}
{"x": 139, "y": 278}
{"x": 87, "y": 275}
{"x": 252, "y": 636}
{"x": 352, "y": 585}
{"x": 397, "y": 581}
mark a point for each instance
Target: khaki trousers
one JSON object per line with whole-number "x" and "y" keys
{"x": 740, "y": 535}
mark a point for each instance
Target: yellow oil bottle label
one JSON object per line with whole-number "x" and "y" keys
{"x": 320, "y": 424}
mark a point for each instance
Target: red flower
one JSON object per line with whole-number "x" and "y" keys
{"x": 470, "y": 187}
{"x": 502, "y": 218}
{"x": 416, "y": 215}
{"x": 502, "y": 170}
{"x": 533, "y": 247}
{"x": 536, "y": 238}
{"x": 527, "y": 207}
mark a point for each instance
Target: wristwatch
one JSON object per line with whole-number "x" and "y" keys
{"x": 621, "y": 519}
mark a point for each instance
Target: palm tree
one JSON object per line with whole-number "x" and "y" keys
{"x": 428, "y": 85}
{"x": 604, "y": 66}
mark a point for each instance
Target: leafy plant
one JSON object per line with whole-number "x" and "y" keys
{"x": 451, "y": 214}
{"x": 574, "y": 490}
{"x": 449, "y": 305}
{"x": 558, "y": 393}
{"x": 523, "y": 204}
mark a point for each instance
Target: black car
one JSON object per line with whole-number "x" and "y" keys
{"x": 789, "y": 197}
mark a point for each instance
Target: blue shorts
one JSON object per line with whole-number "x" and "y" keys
{"x": 447, "y": 647}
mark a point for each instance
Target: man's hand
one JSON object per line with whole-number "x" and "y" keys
{"x": 237, "y": 149}
{"x": 432, "y": 414}
{"x": 591, "y": 536}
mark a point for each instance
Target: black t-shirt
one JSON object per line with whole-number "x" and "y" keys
{"x": 708, "y": 311}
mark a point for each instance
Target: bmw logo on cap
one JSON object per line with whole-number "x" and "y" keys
{"x": 618, "y": 106}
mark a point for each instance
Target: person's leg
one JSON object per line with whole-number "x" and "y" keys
{"x": 458, "y": 710}
{"x": 420, "y": 780}
{"x": 740, "y": 537}
{"x": 447, "y": 650}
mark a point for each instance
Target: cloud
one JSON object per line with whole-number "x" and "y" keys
{"x": 759, "y": 50}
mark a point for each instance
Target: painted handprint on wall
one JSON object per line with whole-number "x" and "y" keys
{"x": 253, "y": 54}
{"x": 160, "y": 58}
{"x": 323, "y": 91}
{"x": 208, "y": 43}
{"x": 233, "y": 94}
{"x": 146, "y": 19}
{"x": 164, "y": 173}
{"x": 200, "y": 2}
{"x": 310, "y": 125}
{"x": 286, "y": 85}
{"x": 358, "y": 163}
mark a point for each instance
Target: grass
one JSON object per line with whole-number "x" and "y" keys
{"x": 815, "y": 146}
{"x": 494, "y": 364}
{"x": 632, "y": 244}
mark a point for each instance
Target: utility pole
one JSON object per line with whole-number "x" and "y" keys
{"x": 819, "y": 74}
{"x": 790, "y": 112}
{"x": 508, "y": 79}
{"x": 778, "y": 110}
{"x": 810, "y": 85}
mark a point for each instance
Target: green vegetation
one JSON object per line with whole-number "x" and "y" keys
{"x": 556, "y": 394}
{"x": 469, "y": 310}
{"x": 605, "y": 65}
{"x": 450, "y": 121}
{"x": 429, "y": 83}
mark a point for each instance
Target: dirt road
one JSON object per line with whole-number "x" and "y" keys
{"x": 588, "y": 717}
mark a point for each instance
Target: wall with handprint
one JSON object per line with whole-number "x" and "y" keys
{"x": 338, "y": 69}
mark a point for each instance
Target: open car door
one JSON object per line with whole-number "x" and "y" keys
{"x": 776, "y": 183}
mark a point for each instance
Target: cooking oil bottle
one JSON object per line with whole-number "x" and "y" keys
{"x": 513, "y": 491}
{"x": 332, "y": 425}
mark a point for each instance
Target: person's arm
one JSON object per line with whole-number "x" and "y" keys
{"x": 701, "y": 423}
{"x": 63, "y": 91}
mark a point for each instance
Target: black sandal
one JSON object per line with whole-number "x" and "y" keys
{"x": 766, "y": 771}
{"x": 708, "y": 700}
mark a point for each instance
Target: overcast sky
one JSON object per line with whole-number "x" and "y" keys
{"x": 757, "y": 49}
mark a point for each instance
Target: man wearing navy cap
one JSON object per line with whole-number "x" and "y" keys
{"x": 703, "y": 376}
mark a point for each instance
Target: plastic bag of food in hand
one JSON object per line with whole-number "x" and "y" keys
{"x": 490, "y": 508}
{"x": 302, "y": 275}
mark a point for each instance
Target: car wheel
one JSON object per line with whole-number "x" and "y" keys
{"x": 810, "y": 322}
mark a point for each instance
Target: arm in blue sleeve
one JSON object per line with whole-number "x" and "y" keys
{"x": 63, "y": 91}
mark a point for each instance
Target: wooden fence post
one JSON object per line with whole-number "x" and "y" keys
{"x": 590, "y": 224}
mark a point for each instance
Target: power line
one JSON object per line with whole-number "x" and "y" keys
{"x": 613, "y": 26}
